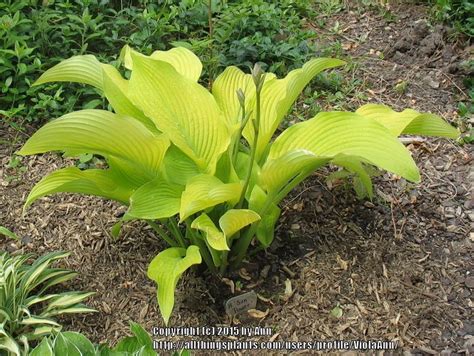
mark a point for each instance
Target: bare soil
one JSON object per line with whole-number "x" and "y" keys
{"x": 399, "y": 267}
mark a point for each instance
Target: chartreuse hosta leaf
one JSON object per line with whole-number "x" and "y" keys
{"x": 165, "y": 270}
{"x": 408, "y": 121}
{"x": 155, "y": 200}
{"x": 269, "y": 213}
{"x": 205, "y": 191}
{"x": 177, "y": 167}
{"x": 354, "y": 165}
{"x": 230, "y": 223}
{"x": 183, "y": 109}
{"x": 80, "y": 69}
{"x": 214, "y": 237}
{"x": 224, "y": 91}
{"x": 72, "y": 180}
{"x": 102, "y": 132}
{"x": 278, "y": 95}
{"x": 115, "y": 89}
{"x": 182, "y": 59}
{"x": 235, "y": 220}
{"x": 277, "y": 172}
{"x": 350, "y": 134}
{"x": 172, "y": 147}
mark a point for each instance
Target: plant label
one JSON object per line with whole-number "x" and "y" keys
{"x": 241, "y": 303}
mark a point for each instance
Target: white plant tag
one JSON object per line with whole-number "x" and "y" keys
{"x": 241, "y": 303}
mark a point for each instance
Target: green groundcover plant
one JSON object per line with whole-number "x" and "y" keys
{"x": 27, "y": 306}
{"x": 202, "y": 167}
{"x": 74, "y": 343}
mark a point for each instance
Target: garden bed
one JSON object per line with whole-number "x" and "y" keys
{"x": 399, "y": 267}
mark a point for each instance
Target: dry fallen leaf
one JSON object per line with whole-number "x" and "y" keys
{"x": 230, "y": 283}
{"x": 244, "y": 274}
{"x": 343, "y": 264}
{"x": 258, "y": 314}
{"x": 288, "y": 290}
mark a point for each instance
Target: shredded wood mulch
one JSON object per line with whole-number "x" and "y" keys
{"x": 398, "y": 268}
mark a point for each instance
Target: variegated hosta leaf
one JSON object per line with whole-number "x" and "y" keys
{"x": 277, "y": 172}
{"x": 205, "y": 191}
{"x": 121, "y": 138}
{"x": 330, "y": 134}
{"x": 214, "y": 237}
{"x": 35, "y": 272}
{"x": 278, "y": 95}
{"x": 34, "y": 320}
{"x": 166, "y": 268}
{"x": 66, "y": 300}
{"x": 183, "y": 109}
{"x": 41, "y": 331}
{"x": 52, "y": 277}
{"x": 73, "y": 309}
{"x": 155, "y": 200}
{"x": 408, "y": 121}
{"x": 8, "y": 343}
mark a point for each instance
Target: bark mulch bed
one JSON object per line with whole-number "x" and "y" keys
{"x": 396, "y": 268}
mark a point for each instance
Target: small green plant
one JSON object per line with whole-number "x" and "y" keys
{"x": 202, "y": 168}
{"x": 8, "y": 233}
{"x": 27, "y": 307}
{"x": 458, "y": 13}
{"x": 272, "y": 33}
{"x": 74, "y": 343}
{"x": 15, "y": 169}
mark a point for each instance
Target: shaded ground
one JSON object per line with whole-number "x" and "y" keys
{"x": 399, "y": 267}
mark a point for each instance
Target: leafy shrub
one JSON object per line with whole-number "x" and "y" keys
{"x": 74, "y": 343}
{"x": 201, "y": 167}
{"x": 27, "y": 307}
{"x": 459, "y": 13}
{"x": 269, "y": 32}
{"x": 37, "y": 35}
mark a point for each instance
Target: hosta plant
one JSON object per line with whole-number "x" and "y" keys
{"x": 27, "y": 306}
{"x": 74, "y": 343}
{"x": 202, "y": 167}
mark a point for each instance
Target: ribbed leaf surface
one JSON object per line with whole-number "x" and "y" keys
{"x": 408, "y": 121}
{"x": 330, "y": 134}
{"x": 80, "y": 69}
{"x": 73, "y": 180}
{"x": 166, "y": 269}
{"x": 214, "y": 237}
{"x": 278, "y": 95}
{"x": 181, "y": 108}
{"x": 101, "y": 132}
{"x": 205, "y": 191}
{"x": 155, "y": 200}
